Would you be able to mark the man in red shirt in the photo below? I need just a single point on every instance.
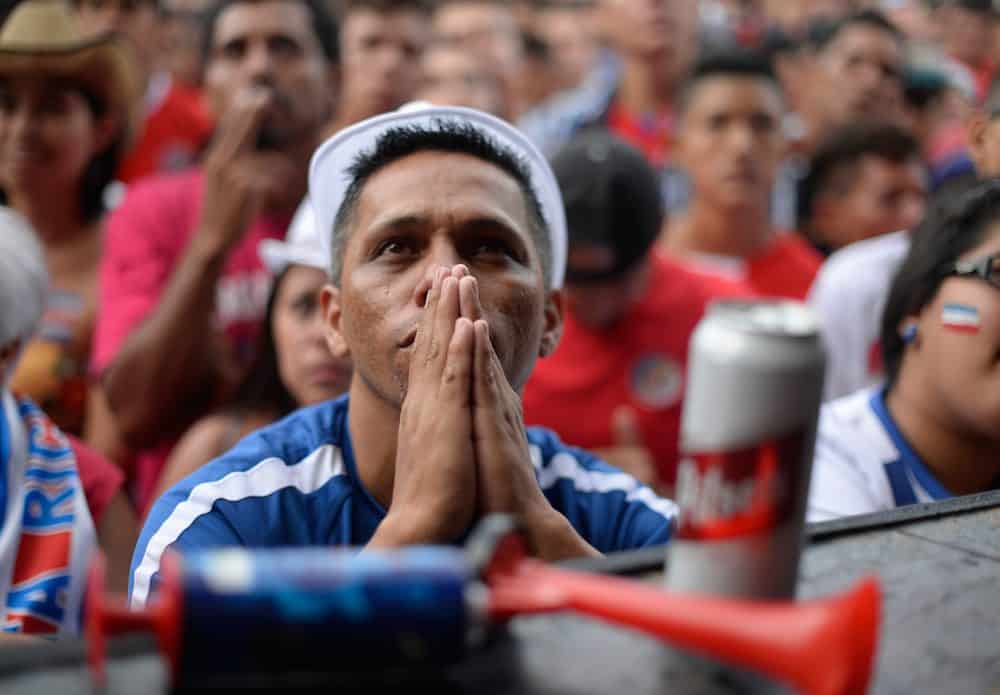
(730, 144)
(182, 290)
(616, 381)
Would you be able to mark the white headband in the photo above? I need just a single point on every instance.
(329, 176)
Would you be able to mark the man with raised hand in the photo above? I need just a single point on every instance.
(182, 289)
(448, 246)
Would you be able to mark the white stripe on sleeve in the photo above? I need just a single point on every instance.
(265, 478)
(564, 466)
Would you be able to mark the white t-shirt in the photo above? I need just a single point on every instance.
(863, 463)
(848, 296)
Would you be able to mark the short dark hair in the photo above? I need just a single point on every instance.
(834, 164)
(446, 136)
(984, 7)
(955, 224)
(727, 62)
(823, 33)
(323, 24)
(386, 6)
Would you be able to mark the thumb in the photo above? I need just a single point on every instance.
(625, 427)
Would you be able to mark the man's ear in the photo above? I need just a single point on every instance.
(555, 305)
(329, 301)
(975, 129)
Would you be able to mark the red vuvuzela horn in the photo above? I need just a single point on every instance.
(822, 647)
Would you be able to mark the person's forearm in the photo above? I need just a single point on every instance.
(169, 359)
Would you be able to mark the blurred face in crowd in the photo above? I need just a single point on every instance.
(421, 213)
(913, 17)
(485, 29)
(661, 30)
(308, 370)
(794, 15)
(48, 134)
(881, 197)
(730, 140)
(135, 19)
(380, 53)
(600, 305)
(958, 372)
(966, 34)
(271, 45)
(858, 76)
(182, 30)
(569, 32)
(452, 77)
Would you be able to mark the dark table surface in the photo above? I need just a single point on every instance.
(939, 567)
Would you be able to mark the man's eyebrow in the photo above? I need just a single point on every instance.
(396, 221)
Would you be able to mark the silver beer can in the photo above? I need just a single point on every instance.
(748, 426)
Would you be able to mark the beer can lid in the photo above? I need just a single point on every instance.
(783, 317)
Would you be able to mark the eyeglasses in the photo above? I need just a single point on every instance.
(985, 268)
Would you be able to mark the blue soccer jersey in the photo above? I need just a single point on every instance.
(295, 484)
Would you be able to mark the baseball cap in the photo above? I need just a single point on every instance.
(302, 244)
(329, 170)
(612, 200)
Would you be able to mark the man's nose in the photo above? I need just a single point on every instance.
(869, 74)
(423, 287)
(741, 137)
(259, 65)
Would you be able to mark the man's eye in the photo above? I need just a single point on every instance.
(492, 248)
(395, 247)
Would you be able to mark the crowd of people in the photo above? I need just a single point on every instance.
(359, 272)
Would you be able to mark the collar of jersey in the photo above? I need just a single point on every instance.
(907, 455)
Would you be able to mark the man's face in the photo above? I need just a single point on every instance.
(730, 140)
(858, 76)
(569, 31)
(135, 19)
(381, 58)
(487, 30)
(966, 34)
(271, 44)
(882, 197)
(453, 77)
(422, 212)
(662, 29)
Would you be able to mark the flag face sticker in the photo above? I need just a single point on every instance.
(960, 317)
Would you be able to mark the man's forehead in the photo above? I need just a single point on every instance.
(413, 185)
(712, 91)
(866, 37)
(246, 18)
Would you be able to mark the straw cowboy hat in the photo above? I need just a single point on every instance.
(42, 37)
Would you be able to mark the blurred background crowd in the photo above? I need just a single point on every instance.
(805, 149)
